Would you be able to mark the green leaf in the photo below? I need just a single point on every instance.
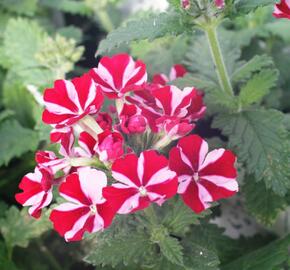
(262, 203)
(69, 6)
(246, 6)
(255, 64)
(21, 7)
(18, 228)
(260, 140)
(71, 32)
(120, 245)
(22, 39)
(15, 140)
(5, 263)
(17, 98)
(266, 258)
(280, 28)
(258, 87)
(150, 28)
(171, 249)
(177, 217)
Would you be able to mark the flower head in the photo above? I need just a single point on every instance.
(141, 181)
(69, 101)
(119, 74)
(177, 71)
(37, 191)
(204, 177)
(85, 209)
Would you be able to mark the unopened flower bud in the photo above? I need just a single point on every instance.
(185, 4)
(136, 124)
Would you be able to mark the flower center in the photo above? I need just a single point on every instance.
(93, 209)
(195, 177)
(142, 191)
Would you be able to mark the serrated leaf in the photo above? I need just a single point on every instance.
(15, 140)
(22, 39)
(150, 28)
(245, 6)
(266, 258)
(260, 140)
(254, 65)
(258, 87)
(262, 203)
(21, 7)
(18, 228)
(178, 217)
(171, 249)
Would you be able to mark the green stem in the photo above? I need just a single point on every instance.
(89, 124)
(9, 252)
(105, 20)
(52, 261)
(216, 53)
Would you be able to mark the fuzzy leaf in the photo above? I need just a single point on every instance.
(260, 140)
(18, 228)
(280, 28)
(150, 28)
(21, 7)
(258, 87)
(246, 6)
(171, 249)
(266, 258)
(255, 64)
(15, 140)
(263, 203)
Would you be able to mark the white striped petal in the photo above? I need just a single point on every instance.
(77, 227)
(221, 181)
(161, 176)
(131, 203)
(140, 167)
(212, 157)
(123, 179)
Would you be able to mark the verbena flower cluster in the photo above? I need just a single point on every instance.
(110, 160)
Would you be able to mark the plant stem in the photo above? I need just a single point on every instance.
(89, 124)
(216, 53)
(105, 20)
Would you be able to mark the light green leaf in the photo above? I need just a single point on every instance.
(150, 28)
(22, 39)
(18, 228)
(21, 7)
(15, 140)
(260, 140)
(280, 28)
(258, 87)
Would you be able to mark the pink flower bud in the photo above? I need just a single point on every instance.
(185, 4)
(220, 3)
(136, 124)
(110, 146)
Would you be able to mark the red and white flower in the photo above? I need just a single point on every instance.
(177, 71)
(104, 120)
(37, 191)
(219, 3)
(69, 101)
(110, 146)
(141, 181)
(85, 210)
(282, 10)
(131, 119)
(119, 74)
(204, 177)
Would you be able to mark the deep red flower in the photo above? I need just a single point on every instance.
(119, 74)
(282, 10)
(104, 120)
(204, 177)
(110, 146)
(85, 210)
(177, 71)
(131, 119)
(141, 181)
(70, 101)
(37, 191)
